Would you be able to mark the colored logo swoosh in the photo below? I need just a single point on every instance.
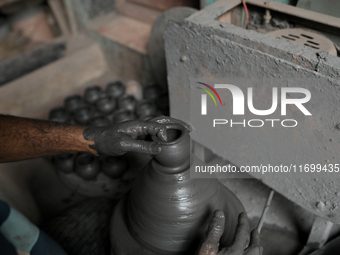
(213, 90)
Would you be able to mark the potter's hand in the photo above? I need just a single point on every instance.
(120, 138)
(210, 245)
(168, 120)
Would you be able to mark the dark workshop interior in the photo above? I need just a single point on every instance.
(101, 63)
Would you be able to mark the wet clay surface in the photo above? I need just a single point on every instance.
(168, 212)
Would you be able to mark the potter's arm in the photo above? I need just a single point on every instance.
(210, 245)
(23, 138)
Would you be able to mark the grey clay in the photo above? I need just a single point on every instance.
(73, 103)
(105, 104)
(114, 167)
(59, 114)
(100, 121)
(84, 115)
(87, 166)
(127, 102)
(167, 212)
(123, 115)
(92, 93)
(64, 162)
(115, 89)
(174, 155)
(146, 107)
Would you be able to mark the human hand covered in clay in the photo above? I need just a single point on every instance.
(120, 138)
(210, 245)
(168, 120)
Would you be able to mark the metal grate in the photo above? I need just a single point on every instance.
(307, 38)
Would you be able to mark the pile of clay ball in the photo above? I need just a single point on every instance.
(99, 107)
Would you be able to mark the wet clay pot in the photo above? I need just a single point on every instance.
(127, 102)
(167, 212)
(123, 115)
(114, 167)
(87, 166)
(84, 115)
(100, 121)
(92, 93)
(73, 103)
(59, 114)
(152, 92)
(115, 89)
(146, 107)
(147, 117)
(105, 104)
(174, 155)
(65, 162)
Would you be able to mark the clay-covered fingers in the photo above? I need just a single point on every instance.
(254, 238)
(254, 251)
(136, 129)
(168, 120)
(254, 245)
(241, 235)
(139, 146)
(210, 245)
(156, 129)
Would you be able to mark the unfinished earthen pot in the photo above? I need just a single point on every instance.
(105, 104)
(175, 152)
(87, 166)
(167, 212)
(92, 93)
(85, 114)
(59, 114)
(146, 107)
(127, 102)
(65, 162)
(73, 103)
(147, 117)
(100, 121)
(123, 115)
(115, 89)
(114, 167)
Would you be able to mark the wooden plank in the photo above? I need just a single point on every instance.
(34, 94)
(127, 31)
(71, 16)
(162, 5)
(58, 11)
(137, 11)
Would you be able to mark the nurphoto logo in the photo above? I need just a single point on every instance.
(238, 98)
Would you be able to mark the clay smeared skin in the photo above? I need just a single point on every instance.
(211, 243)
(167, 212)
(24, 138)
(120, 138)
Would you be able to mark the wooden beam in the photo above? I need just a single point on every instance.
(58, 11)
